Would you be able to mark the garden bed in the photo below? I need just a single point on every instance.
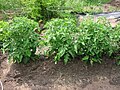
(45, 75)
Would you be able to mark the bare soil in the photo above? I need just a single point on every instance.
(43, 74)
(115, 3)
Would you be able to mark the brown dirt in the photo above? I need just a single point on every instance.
(115, 3)
(45, 75)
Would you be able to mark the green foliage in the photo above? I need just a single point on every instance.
(64, 37)
(2, 25)
(116, 38)
(9, 4)
(20, 39)
(86, 6)
(94, 40)
(47, 9)
(38, 9)
(90, 40)
(31, 9)
(60, 37)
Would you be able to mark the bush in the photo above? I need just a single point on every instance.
(34, 9)
(3, 24)
(20, 40)
(115, 35)
(95, 40)
(60, 37)
(37, 9)
(116, 38)
(31, 9)
(90, 40)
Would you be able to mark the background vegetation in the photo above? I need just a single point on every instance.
(47, 9)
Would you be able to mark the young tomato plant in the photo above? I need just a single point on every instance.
(94, 40)
(115, 35)
(60, 37)
(90, 40)
(3, 24)
(21, 41)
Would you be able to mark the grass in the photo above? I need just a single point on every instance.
(79, 5)
(86, 6)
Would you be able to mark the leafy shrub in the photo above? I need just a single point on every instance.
(94, 40)
(90, 40)
(37, 9)
(31, 9)
(60, 38)
(21, 40)
(44, 4)
(2, 25)
(116, 38)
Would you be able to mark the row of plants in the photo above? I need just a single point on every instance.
(89, 40)
(65, 38)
